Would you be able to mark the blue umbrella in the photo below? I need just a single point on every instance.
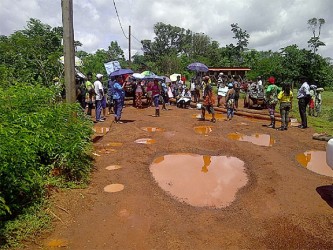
(198, 67)
(120, 72)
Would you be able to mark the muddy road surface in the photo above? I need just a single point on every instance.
(174, 182)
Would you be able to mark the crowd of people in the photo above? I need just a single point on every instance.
(110, 97)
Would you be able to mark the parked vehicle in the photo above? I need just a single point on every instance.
(255, 97)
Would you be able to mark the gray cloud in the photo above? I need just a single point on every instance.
(271, 24)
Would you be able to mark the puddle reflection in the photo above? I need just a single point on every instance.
(257, 139)
(145, 141)
(315, 161)
(203, 130)
(200, 180)
(101, 130)
(152, 129)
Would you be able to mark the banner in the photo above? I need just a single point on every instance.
(112, 66)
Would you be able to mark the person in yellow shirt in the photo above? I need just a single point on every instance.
(285, 98)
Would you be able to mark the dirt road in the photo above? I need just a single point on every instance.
(278, 208)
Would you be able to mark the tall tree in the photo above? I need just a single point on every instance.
(242, 40)
(315, 25)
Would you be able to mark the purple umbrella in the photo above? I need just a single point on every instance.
(198, 67)
(120, 72)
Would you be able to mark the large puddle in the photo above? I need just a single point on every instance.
(200, 180)
(203, 130)
(315, 161)
(145, 141)
(152, 129)
(257, 139)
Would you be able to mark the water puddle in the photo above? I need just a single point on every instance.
(113, 167)
(113, 188)
(57, 243)
(315, 161)
(218, 116)
(114, 144)
(257, 139)
(101, 130)
(203, 130)
(152, 129)
(200, 180)
(145, 141)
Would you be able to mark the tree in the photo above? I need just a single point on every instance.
(115, 53)
(31, 55)
(242, 41)
(315, 26)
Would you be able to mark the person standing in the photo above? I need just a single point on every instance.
(237, 91)
(209, 100)
(285, 97)
(90, 93)
(230, 101)
(99, 96)
(156, 97)
(303, 96)
(138, 94)
(118, 95)
(271, 97)
(110, 94)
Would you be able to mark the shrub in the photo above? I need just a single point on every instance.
(40, 140)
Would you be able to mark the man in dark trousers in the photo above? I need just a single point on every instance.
(303, 97)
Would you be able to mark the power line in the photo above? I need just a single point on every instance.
(136, 39)
(115, 7)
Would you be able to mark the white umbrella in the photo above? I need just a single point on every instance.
(173, 77)
(138, 76)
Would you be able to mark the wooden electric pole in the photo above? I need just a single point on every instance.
(129, 44)
(69, 54)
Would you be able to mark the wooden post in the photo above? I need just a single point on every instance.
(69, 54)
(129, 44)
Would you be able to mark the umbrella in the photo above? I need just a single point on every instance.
(173, 77)
(120, 72)
(153, 77)
(147, 73)
(138, 76)
(78, 61)
(167, 79)
(198, 67)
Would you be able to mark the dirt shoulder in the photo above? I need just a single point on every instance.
(278, 208)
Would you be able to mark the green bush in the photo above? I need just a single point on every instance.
(41, 140)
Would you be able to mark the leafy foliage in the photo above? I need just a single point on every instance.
(40, 140)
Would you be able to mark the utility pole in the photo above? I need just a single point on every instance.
(69, 55)
(129, 44)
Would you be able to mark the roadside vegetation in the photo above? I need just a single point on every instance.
(45, 144)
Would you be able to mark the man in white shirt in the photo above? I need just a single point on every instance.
(303, 96)
(99, 96)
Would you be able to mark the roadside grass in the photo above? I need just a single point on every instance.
(27, 226)
(324, 122)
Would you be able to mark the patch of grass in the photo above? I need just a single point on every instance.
(26, 226)
(322, 123)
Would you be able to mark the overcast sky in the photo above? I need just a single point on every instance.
(270, 24)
